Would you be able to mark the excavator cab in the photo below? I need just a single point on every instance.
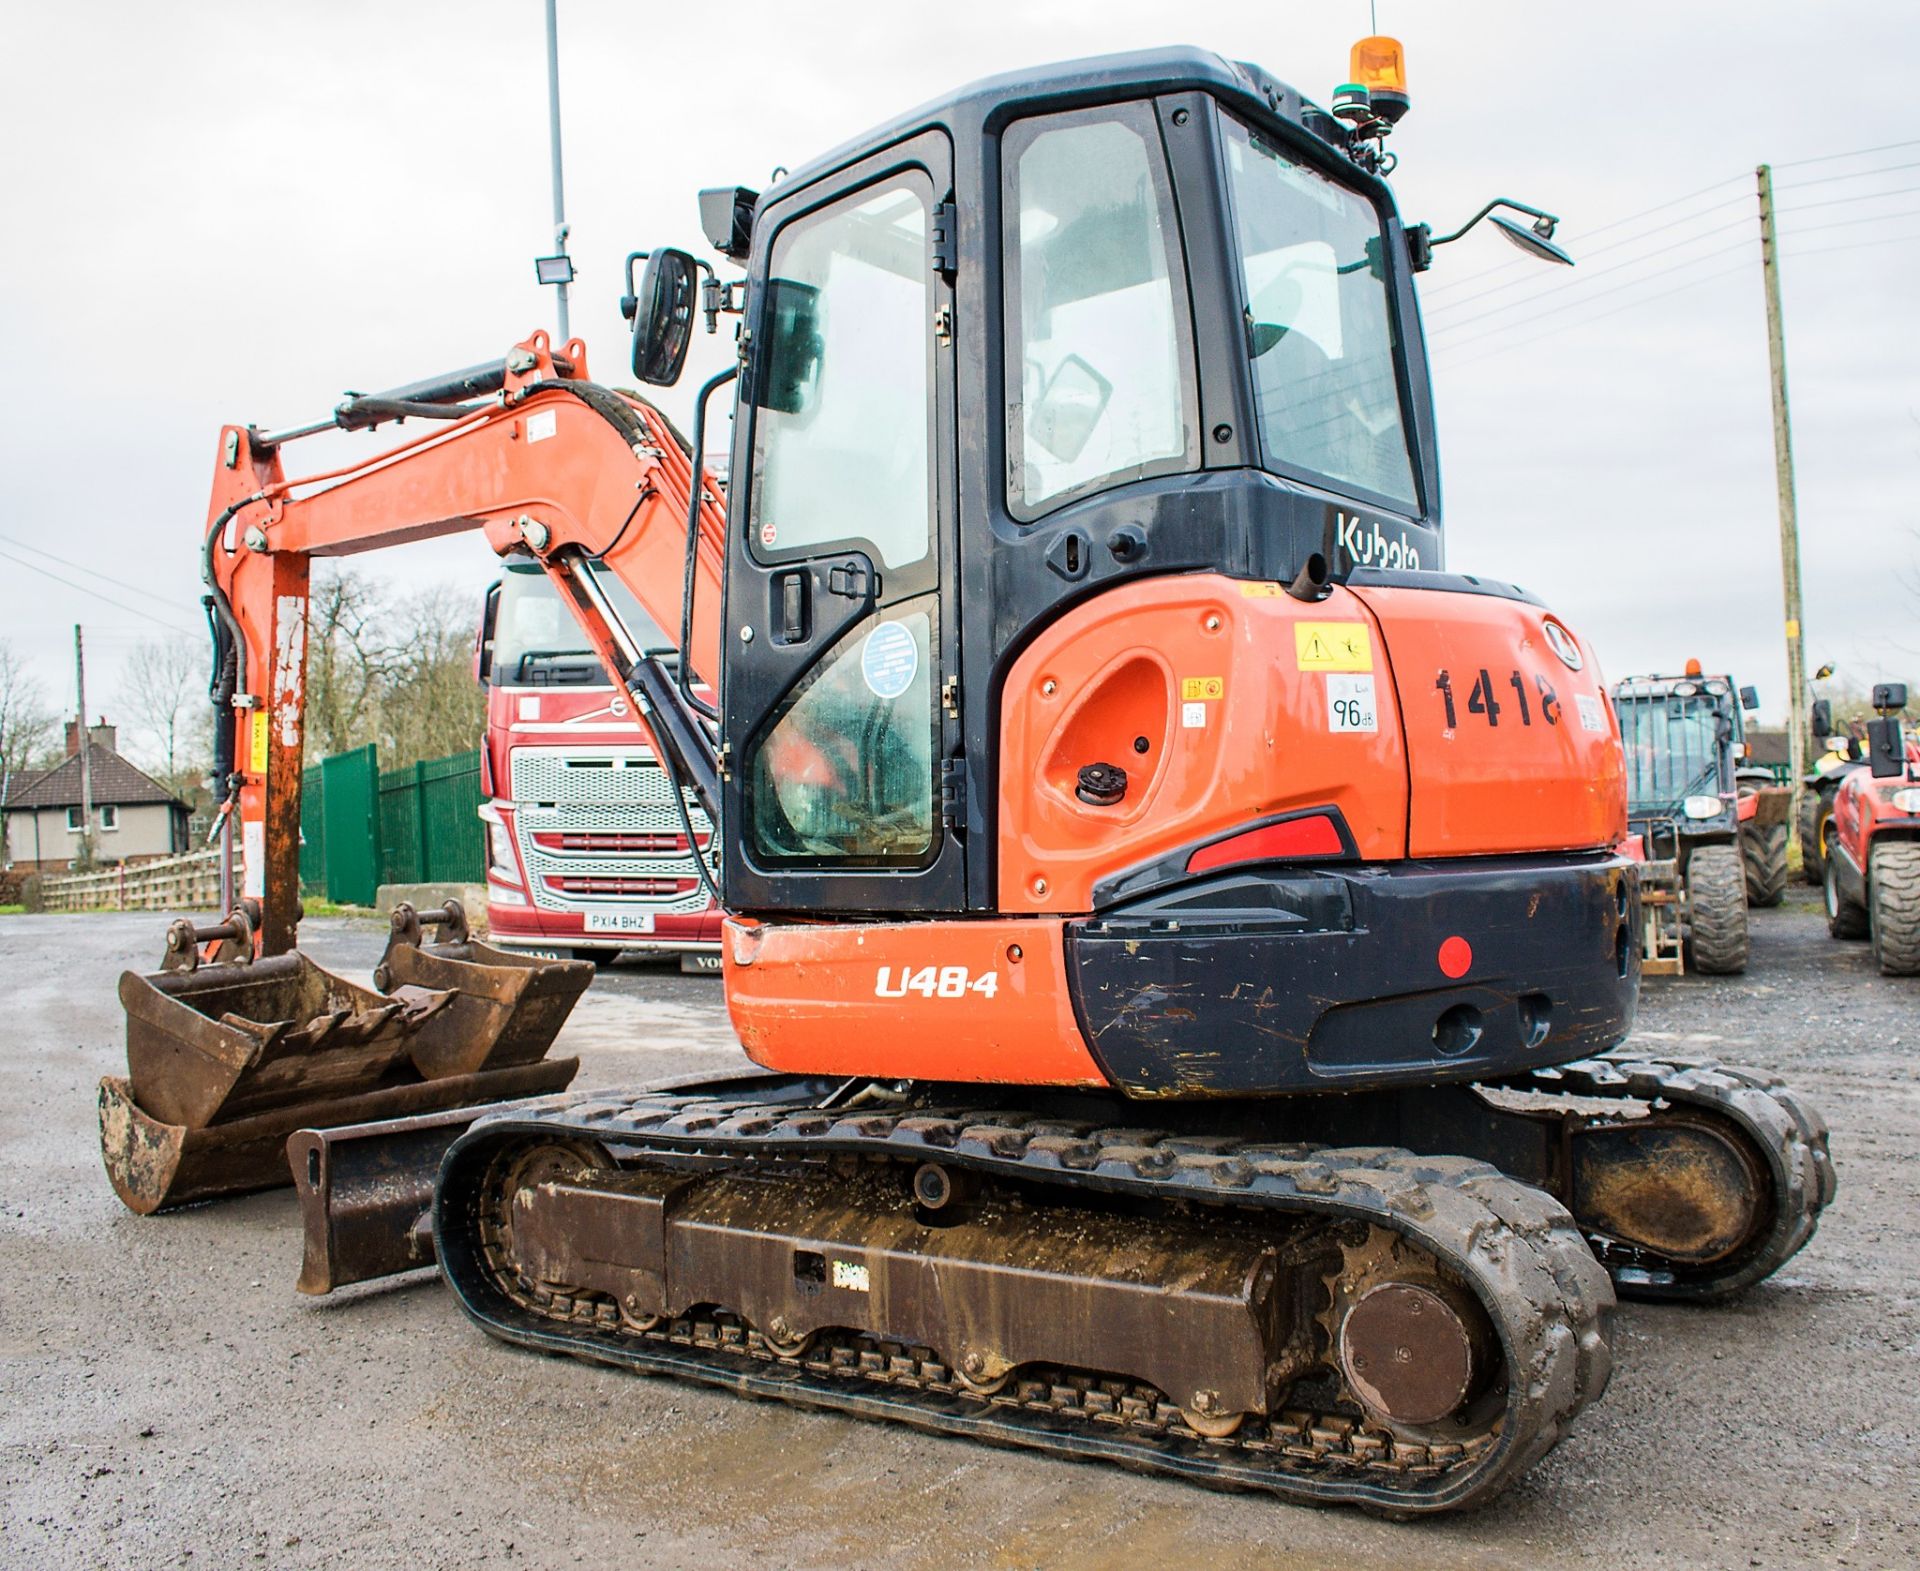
(1085, 526)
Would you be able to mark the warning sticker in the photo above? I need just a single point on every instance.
(1350, 705)
(1333, 646)
(1261, 591)
(257, 759)
(1590, 717)
(1193, 717)
(1202, 688)
(542, 424)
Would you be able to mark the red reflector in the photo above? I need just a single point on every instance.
(1313, 836)
(1456, 957)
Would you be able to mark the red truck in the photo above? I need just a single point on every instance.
(586, 856)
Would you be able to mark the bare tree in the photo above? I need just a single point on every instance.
(346, 662)
(27, 726)
(164, 695)
(430, 704)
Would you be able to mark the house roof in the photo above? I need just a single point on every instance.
(116, 783)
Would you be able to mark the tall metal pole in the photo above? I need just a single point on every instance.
(86, 751)
(1783, 480)
(553, 133)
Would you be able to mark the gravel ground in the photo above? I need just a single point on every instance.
(166, 1398)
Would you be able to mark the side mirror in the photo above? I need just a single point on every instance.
(1821, 722)
(1749, 698)
(483, 639)
(1889, 697)
(794, 346)
(1068, 408)
(663, 312)
(1886, 748)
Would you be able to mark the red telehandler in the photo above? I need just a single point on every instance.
(1178, 920)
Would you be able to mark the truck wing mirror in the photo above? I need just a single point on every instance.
(663, 310)
(483, 639)
(1821, 721)
(1749, 698)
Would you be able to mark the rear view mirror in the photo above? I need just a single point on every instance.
(1821, 723)
(794, 346)
(1069, 407)
(1749, 698)
(483, 639)
(1886, 749)
(663, 316)
(1889, 697)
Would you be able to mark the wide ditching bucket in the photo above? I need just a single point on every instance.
(228, 1055)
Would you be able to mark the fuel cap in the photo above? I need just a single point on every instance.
(1101, 785)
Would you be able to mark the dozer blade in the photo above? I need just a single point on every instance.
(226, 1058)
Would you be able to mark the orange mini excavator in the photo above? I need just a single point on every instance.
(1178, 919)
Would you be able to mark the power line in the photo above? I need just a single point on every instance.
(1568, 327)
(1858, 152)
(119, 605)
(1849, 223)
(1854, 245)
(91, 572)
(1579, 280)
(1631, 283)
(1843, 201)
(1857, 174)
(1587, 234)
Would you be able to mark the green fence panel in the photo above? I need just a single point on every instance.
(402, 827)
(451, 832)
(350, 818)
(313, 832)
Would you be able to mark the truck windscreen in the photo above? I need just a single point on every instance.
(536, 641)
(1320, 324)
(1673, 745)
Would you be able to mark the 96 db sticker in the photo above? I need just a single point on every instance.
(1350, 705)
(1590, 715)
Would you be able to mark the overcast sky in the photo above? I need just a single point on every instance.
(226, 211)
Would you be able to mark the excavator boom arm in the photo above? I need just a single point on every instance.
(554, 465)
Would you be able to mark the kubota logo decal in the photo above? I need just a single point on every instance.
(1363, 543)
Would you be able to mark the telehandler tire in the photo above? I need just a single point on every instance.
(1717, 910)
(1893, 895)
(1764, 853)
(1845, 919)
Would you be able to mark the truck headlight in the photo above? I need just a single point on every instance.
(1703, 806)
(500, 851)
(1908, 801)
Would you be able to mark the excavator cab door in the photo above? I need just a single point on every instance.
(841, 636)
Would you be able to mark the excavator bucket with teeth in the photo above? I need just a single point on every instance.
(227, 1055)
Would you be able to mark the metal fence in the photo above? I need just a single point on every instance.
(173, 883)
(362, 827)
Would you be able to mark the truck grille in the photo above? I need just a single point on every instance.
(597, 825)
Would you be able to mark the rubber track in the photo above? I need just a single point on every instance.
(1513, 1245)
(1788, 1134)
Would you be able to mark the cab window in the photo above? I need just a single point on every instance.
(1100, 388)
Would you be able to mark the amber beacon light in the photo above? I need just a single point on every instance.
(1379, 65)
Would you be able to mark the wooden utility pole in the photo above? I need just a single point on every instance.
(86, 750)
(1783, 480)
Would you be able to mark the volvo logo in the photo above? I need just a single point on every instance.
(1563, 644)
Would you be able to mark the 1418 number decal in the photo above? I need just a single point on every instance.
(1484, 699)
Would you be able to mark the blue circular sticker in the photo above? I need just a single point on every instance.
(890, 660)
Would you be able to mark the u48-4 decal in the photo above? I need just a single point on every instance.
(1490, 700)
(935, 982)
